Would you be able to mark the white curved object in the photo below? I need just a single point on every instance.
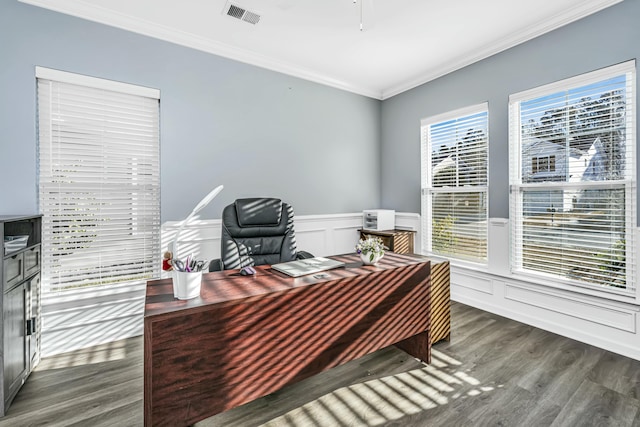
(173, 246)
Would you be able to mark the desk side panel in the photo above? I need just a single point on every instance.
(440, 302)
(148, 370)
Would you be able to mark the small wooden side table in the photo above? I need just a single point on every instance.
(398, 241)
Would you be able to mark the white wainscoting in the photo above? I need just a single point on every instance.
(320, 235)
(106, 315)
(606, 323)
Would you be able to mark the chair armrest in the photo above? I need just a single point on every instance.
(303, 255)
(216, 265)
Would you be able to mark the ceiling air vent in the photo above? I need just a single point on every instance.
(238, 12)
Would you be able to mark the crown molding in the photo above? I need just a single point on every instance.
(84, 10)
(587, 8)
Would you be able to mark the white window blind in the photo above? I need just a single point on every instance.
(573, 180)
(99, 181)
(454, 184)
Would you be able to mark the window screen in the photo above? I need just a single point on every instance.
(454, 184)
(572, 180)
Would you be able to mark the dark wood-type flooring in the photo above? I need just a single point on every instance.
(493, 372)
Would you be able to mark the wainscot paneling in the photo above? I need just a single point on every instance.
(86, 318)
(472, 282)
(614, 317)
(585, 315)
(98, 316)
(321, 235)
(410, 221)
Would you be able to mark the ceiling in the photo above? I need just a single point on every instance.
(403, 43)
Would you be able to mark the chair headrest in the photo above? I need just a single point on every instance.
(259, 212)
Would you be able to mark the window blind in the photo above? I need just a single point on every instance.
(454, 195)
(573, 180)
(99, 182)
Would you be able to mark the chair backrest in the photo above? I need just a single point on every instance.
(256, 232)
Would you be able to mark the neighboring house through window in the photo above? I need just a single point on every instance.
(454, 184)
(543, 164)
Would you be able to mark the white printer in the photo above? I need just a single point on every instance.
(379, 219)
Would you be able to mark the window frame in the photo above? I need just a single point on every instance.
(152, 184)
(428, 189)
(628, 184)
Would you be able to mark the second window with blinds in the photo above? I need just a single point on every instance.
(454, 184)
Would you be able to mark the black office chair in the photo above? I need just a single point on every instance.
(257, 231)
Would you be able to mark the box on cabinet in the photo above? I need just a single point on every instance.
(379, 219)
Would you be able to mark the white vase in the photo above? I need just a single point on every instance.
(367, 260)
(186, 285)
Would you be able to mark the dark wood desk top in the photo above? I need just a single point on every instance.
(228, 286)
(248, 336)
(386, 232)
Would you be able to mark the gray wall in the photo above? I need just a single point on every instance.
(264, 133)
(606, 38)
(260, 133)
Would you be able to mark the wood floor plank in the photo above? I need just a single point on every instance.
(621, 375)
(596, 405)
(493, 371)
(557, 376)
(523, 408)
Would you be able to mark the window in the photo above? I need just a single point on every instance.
(543, 164)
(454, 184)
(572, 180)
(99, 181)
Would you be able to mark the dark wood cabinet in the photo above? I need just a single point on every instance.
(15, 355)
(19, 302)
(398, 241)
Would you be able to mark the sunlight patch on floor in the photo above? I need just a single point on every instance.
(108, 352)
(378, 401)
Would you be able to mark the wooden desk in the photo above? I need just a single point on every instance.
(248, 336)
